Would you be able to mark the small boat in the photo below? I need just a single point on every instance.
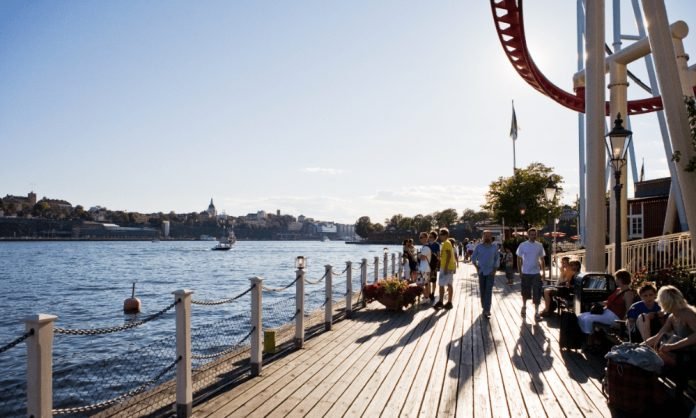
(325, 239)
(225, 242)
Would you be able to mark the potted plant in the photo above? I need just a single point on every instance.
(393, 293)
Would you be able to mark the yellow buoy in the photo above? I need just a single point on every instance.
(132, 304)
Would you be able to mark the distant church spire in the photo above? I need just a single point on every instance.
(211, 208)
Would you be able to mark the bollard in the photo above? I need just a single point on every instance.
(394, 265)
(328, 306)
(40, 365)
(184, 382)
(256, 358)
(376, 269)
(386, 264)
(363, 278)
(349, 289)
(299, 309)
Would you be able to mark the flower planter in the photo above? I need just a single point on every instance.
(398, 297)
(391, 302)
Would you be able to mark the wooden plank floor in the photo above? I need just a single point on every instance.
(427, 363)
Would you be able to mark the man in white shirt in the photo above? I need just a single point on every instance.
(530, 262)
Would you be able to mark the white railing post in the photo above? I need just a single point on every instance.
(363, 278)
(256, 321)
(349, 289)
(184, 382)
(328, 291)
(394, 265)
(40, 365)
(401, 266)
(386, 265)
(376, 269)
(299, 309)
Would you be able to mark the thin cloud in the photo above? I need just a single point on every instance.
(321, 170)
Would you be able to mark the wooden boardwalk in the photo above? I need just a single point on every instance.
(426, 363)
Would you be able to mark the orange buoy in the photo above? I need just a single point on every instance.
(132, 304)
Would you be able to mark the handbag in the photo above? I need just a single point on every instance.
(597, 308)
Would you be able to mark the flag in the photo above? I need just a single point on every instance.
(513, 125)
(642, 171)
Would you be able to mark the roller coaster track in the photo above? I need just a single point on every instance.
(509, 23)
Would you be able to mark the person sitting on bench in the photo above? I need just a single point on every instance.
(564, 286)
(645, 318)
(676, 341)
(615, 307)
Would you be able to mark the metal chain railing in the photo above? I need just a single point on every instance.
(100, 405)
(17, 341)
(222, 301)
(317, 281)
(339, 274)
(223, 352)
(279, 289)
(109, 330)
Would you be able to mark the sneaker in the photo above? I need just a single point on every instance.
(537, 316)
(432, 298)
(438, 305)
(448, 305)
(523, 312)
(545, 314)
(486, 314)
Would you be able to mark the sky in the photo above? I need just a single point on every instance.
(330, 109)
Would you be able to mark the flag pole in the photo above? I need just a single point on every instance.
(513, 135)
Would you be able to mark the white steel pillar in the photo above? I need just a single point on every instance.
(582, 198)
(256, 356)
(618, 90)
(594, 126)
(673, 101)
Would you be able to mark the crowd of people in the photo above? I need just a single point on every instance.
(661, 319)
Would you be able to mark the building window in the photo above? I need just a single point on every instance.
(635, 222)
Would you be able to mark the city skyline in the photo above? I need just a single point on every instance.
(334, 110)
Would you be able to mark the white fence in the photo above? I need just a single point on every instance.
(650, 254)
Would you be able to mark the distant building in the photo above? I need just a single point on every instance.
(211, 209)
(19, 203)
(648, 208)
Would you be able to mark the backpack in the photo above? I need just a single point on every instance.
(434, 259)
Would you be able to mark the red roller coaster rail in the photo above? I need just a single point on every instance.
(509, 23)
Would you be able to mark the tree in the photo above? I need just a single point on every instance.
(446, 218)
(507, 195)
(363, 227)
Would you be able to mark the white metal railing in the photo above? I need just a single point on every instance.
(651, 254)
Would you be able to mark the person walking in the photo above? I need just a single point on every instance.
(530, 262)
(424, 256)
(447, 268)
(486, 259)
(434, 263)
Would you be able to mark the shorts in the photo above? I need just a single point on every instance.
(422, 277)
(445, 279)
(433, 276)
(531, 287)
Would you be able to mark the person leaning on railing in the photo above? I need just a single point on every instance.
(676, 341)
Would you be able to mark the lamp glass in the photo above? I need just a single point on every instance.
(300, 262)
(385, 250)
(550, 192)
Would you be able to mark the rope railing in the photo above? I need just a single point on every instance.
(222, 301)
(223, 352)
(315, 281)
(280, 289)
(110, 330)
(103, 404)
(16, 341)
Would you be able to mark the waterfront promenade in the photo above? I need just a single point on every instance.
(426, 363)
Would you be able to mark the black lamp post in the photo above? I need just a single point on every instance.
(550, 191)
(617, 145)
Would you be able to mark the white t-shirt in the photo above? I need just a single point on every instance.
(424, 265)
(530, 252)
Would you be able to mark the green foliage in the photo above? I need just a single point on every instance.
(364, 226)
(676, 156)
(677, 276)
(507, 195)
(446, 218)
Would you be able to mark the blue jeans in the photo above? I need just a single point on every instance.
(486, 290)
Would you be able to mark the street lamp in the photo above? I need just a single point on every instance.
(617, 145)
(300, 262)
(550, 191)
(385, 250)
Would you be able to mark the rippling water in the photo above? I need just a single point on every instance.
(85, 284)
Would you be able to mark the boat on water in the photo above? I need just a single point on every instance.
(325, 239)
(225, 242)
